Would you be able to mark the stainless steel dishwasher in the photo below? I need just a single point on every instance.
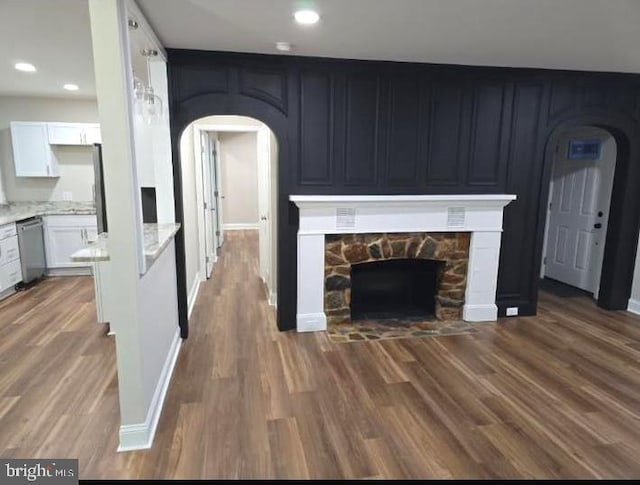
(31, 243)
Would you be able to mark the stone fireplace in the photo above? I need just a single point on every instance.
(397, 275)
(463, 232)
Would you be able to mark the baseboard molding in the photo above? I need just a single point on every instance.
(273, 299)
(311, 322)
(634, 306)
(480, 313)
(193, 293)
(80, 271)
(240, 226)
(140, 436)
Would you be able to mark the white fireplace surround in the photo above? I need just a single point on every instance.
(481, 215)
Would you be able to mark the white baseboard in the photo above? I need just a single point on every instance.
(480, 313)
(311, 322)
(240, 226)
(193, 293)
(8, 292)
(273, 299)
(140, 436)
(634, 306)
(79, 271)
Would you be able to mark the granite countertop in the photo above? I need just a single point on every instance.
(16, 211)
(156, 238)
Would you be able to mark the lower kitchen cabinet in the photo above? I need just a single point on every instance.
(64, 235)
(10, 269)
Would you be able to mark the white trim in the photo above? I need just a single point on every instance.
(140, 436)
(193, 292)
(273, 299)
(240, 226)
(634, 306)
(480, 313)
(311, 322)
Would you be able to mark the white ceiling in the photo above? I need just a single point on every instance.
(559, 34)
(601, 35)
(55, 36)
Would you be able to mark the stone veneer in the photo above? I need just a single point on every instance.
(343, 250)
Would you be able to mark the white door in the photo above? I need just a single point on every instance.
(218, 194)
(209, 204)
(578, 216)
(264, 198)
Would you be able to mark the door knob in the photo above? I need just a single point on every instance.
(597, 225)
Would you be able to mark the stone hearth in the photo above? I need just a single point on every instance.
(343, 250)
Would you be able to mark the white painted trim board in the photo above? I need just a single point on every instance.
(140, 436)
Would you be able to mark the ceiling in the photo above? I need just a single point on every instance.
(597, 35)
(53, 35)
(600, 35)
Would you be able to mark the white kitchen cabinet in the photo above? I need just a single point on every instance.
(92, 133)
(10, 269)
(32, 154)
(64, 235)
(74, 133)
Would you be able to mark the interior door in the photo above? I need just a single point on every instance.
(218, 194)
(264, 198)
(577, 222)
(209, 203)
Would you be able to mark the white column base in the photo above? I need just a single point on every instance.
(634, 306)
(480, 313)
(311, 322)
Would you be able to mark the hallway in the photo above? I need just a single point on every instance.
(554, 396)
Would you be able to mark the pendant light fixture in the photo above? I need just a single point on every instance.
(151, 103)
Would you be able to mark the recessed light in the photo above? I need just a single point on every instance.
(283, 46)
(306, 17)
(71, 87)
(25, 67)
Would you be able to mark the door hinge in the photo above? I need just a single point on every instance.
(544, 260)
(550, 205)
(206, 206)
(215, 194)
(217, 233)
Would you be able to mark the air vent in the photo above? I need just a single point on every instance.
(345, 218)
(455, 217)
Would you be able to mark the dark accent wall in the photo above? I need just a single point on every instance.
(358, 127)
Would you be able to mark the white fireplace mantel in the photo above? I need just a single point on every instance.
(481, 215)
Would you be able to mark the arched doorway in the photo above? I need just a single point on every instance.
(578, 208)
(621, 239)
(228, 168)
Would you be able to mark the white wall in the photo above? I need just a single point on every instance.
(76, 163)
(239, 165)
(190, 208)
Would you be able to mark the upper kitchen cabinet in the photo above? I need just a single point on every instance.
(74, 133)
(32, 154)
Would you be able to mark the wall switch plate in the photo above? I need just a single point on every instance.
(512, 311)
(67, 195)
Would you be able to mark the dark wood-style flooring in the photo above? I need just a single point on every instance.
(551, 396)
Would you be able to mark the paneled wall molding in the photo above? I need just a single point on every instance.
(364, 127)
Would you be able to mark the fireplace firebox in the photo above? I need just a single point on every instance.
(392, 289)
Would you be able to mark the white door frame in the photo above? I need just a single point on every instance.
(605, 189)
